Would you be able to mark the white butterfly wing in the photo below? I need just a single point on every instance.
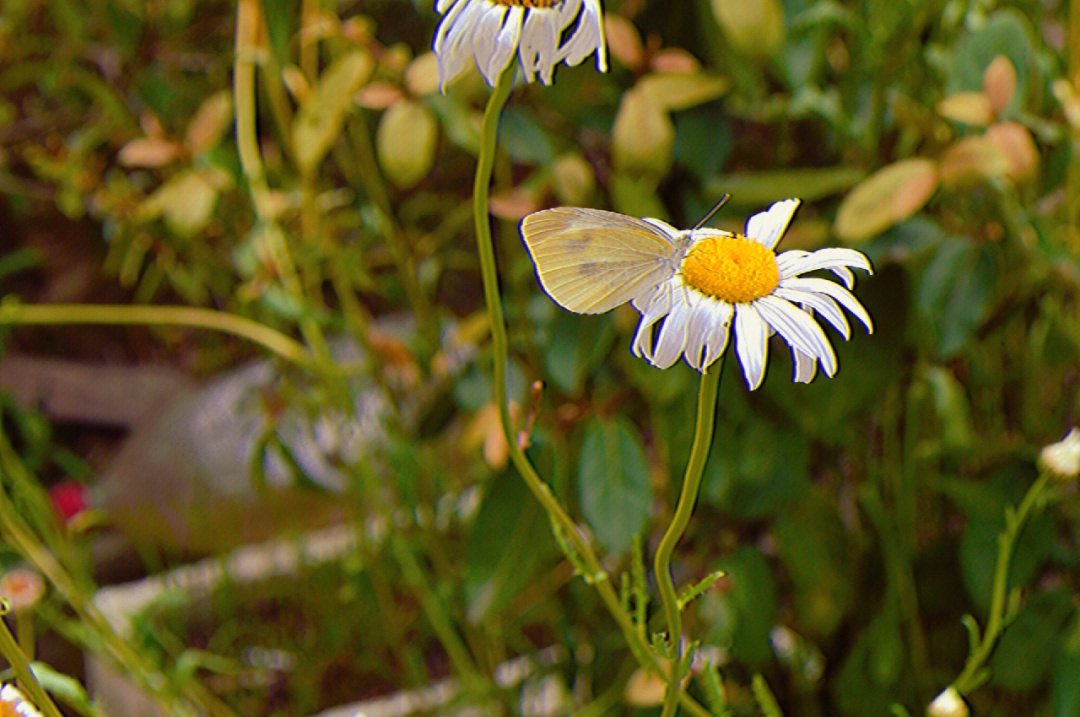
(590, 261)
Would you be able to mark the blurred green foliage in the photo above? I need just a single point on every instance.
(857, 517)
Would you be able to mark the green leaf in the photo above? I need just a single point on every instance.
(65, 687)
(952, 407)
(758, 189)
(811, 543)
(744, 616)
(613, 482)
(1064, 687)
(954, 295)
(703, 143)
(872, 676)
(636, 196)
(979, 543)
(1025, 653)
(523, 139)
(509, 544)
(757, 471)
(1006, 32)
(576, 344)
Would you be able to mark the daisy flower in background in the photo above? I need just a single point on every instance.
(13, 702)
(695, 288)
(542, 33)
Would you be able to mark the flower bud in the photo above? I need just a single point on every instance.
(22, 588)
(948, 704)
(1063, 458)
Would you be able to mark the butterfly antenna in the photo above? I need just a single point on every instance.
(716, 207)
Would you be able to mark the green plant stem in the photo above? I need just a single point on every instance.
(703, 430)
(145, 315)
(972, 675)
(436, 613)
(20, 536)
(250, 26)
(1072, 173)
(400, 252)
(595, 573)
(21, 666)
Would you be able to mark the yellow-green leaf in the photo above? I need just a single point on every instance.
(405, 142)
(676, 92)
(972, 160)
(186, 202)
(754, 27)
(967, 108)
(321, 116)
(643, 137)
(209, 123)
(888, 196)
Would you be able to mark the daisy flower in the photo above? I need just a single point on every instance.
(695, 288)
(13, 702)
(542, 33)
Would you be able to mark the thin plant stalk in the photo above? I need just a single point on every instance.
(18, 534)
(703, 430)
(14, 313)
(974, 674)
(21, 666)
(595, 574)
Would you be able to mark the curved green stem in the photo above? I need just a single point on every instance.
(973, 675)
(500, 348)
(194, 317)
(706, 413)
(21, 666)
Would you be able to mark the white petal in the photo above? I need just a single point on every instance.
(799, 330)
(831, 289)
(697, 334)
(443, 4)
(506, 42)
(821, 303)
(751, 343)
(451, 61)
(486, 47)
(672, 339)
(805, 367)
(586, 38)
(767, 227)
(652, 309)
(831, 258)
(539, 38)
(716, 341)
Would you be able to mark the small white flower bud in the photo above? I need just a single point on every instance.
(948, 704)
(1063, 458)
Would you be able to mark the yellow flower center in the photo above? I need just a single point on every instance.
(534, 4)
(731, 268)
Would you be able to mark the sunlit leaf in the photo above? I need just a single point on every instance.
(643, 135)
(321, 116)
(405, 142)
(887, 197)
(754, 28)
(682, 91)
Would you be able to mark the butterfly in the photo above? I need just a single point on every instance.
(589, 260)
